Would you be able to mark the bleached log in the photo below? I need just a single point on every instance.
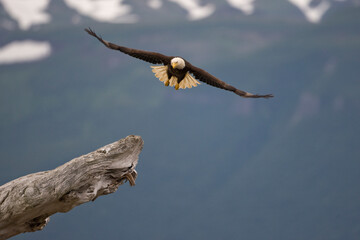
(27, 202)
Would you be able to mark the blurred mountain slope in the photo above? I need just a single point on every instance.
(214, 165)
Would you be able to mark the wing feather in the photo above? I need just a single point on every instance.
(151, 57)
(206, 77)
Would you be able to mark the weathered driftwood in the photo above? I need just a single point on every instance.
(27, 202)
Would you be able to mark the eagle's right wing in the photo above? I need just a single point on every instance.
(151, 57)
(206, 77)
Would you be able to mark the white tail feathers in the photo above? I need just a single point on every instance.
(173, 81)
(161, 74)
(188, 82)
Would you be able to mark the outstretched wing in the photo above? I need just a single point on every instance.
(151, 57)
(206, 77)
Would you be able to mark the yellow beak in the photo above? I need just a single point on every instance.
(174, 64)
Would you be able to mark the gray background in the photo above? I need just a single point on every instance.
(214, 165)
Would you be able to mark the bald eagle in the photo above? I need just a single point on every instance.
(176, 71)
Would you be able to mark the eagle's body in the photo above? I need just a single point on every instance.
(176, 71)
(169, 77)
(175, 74)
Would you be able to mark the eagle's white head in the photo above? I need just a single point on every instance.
(177, 63)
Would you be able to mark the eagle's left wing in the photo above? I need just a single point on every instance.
(151, 57)
(206, 77)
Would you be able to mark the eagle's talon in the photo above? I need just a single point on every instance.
(177, 86)
(167, 82)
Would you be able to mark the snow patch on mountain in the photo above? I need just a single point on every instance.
(112, 11)
(312, 13)
(246, 6)
(24, 51)
(31, 12)
(155, 4)
(194, 9)
(27, 12)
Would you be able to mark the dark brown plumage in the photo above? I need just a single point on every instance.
(158, 58)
